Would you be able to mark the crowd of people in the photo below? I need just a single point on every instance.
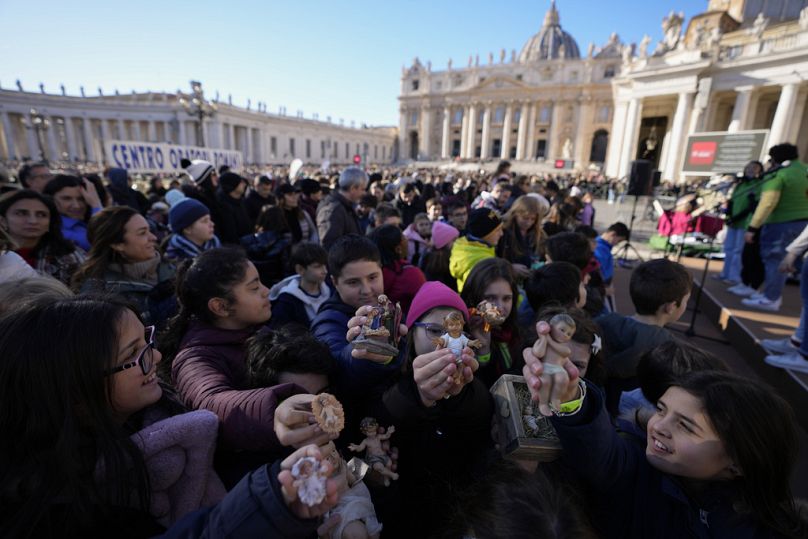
(165, 347)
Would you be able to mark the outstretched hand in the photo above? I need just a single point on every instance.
(435, 374)
(295, 424)
(355, 329)
(534, 369)
(289, 490)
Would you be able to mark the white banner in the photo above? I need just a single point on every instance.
(156, 157)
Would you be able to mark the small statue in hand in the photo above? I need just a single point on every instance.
(455, 341)
(491, 314)
(328, 413)
(375, 455)
(310, 476)
(380, 333)
(555, 355)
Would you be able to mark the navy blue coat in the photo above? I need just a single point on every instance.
(254, 508)
(634, 499)
(354, 376)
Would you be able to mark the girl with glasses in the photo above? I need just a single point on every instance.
(82, 413)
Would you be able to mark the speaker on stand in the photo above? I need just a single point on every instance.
(640, 184)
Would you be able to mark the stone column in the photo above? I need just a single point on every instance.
(122, 135)
(464, 132)
(799, 110)
(471, 144)
(31, 138)
(54, 148)
(444, 141)
(485, 150)
(136, 134)
(530, 141)
(424, 141)
(630, 138)
(683, 108)
(521, 136)
(506, 132)
(9, 135)
(89, 139)
(72, 152)
(781, 125)
(231, 129)
(584, 132)
(106, 133)
(740, 113)
(616, 139)
(183, 140)
(554, 142)
(152, 131)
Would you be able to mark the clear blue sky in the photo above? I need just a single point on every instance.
(340, 58)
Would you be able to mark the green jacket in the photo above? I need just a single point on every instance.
(792, 183)
(465, 255)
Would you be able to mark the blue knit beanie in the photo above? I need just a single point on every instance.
(185, 213)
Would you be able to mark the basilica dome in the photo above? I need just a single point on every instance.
(551, 42)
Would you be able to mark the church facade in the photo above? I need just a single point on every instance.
(741, 65)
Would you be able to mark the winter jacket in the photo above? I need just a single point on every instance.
(416, 245)
(401, 282)
(180, 247)
(253, 203)
(409, 211)
(466, 252)
(13, 267)
(60, 267)
(290, 303)
(269, 251)
(210, 373)
(123, 194)
(625, 340)
(178, 452)
(76, 230)
(156, 303)
(336, 218)
(233, 221)
(456, 432)
(632, 499)
(309, 206)
(302, 226)
(354, 376)
(513, 242)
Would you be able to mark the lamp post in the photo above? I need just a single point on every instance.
(199, 108)
(39, 123)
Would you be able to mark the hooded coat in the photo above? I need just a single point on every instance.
(290, 303)
(466, 252)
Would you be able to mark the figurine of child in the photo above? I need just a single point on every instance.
(555, 355)
(454, 339)
(309, 480)
(375, 455)
(491, 315)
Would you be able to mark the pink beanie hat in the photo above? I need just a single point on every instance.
(434, 294)
(443, 234)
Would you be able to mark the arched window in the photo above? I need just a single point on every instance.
(600, 140)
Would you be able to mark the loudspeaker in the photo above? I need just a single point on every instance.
(640, 181)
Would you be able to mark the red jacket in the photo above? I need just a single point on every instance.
(402, 282)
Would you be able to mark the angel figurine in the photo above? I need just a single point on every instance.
(375, 456)
(551, 347)
(380, 334)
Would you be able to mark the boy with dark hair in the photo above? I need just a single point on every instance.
(385, 214)
(662, 367)
(557, 282)
(569, 247)
(659, 290)
(288, 356)
(354, 263)
(457, 215)
(298, 297)
(616, 233)
(367, 204)
(434, 209)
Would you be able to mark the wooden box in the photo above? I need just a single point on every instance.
(522, 432)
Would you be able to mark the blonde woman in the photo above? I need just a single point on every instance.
(523, 240)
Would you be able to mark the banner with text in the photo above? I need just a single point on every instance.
(157, 157)
(723, 152)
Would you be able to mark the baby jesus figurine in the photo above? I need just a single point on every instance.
(455, 341)
(555, 355)
(375, 455)
(490, 314)
(328, 413)
(309, 478)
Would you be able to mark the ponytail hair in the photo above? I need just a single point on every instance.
(212, 274)
(758, 430)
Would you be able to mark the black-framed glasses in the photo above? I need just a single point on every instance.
(145, 359)
(433, 330)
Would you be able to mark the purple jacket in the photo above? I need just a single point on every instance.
(210, 373)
